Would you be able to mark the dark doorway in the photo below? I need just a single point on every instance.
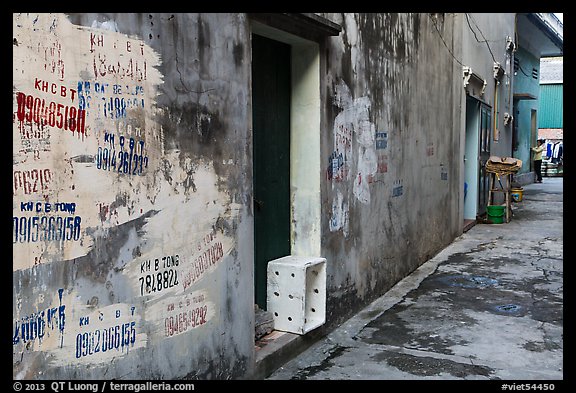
(271, 154)
(483, 156)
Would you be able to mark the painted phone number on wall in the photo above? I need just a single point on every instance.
(102, 340)
(45, 228)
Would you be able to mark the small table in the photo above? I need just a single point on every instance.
(507, 176)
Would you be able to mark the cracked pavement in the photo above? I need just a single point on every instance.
(487, 307)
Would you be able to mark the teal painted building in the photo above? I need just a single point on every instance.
(526, 93)
(551, 102)
(550, 106)
(540, 36)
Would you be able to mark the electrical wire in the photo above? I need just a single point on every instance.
(444, 42)
(468, 17)
(475, 36)
(522, 70)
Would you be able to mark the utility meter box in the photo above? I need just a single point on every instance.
(296, 293)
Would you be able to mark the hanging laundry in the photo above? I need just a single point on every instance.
(557, 152)
(549, 146)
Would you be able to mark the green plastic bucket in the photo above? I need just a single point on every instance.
(496, 213)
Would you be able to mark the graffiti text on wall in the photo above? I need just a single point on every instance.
(50, 106)
(80, 94)
(51, 52)
(119, 336)
(338, 166)
(211, 252)
(430, 149)
(40, 324)
(110, 101)
(159, 275)
(337, 170)
(398, 188)
(34, 137)
(443, 173)
(381, 148)
(40, 228)
(124, 67)
(353, 124)
(130, 158)
(188, 313)
(39, 111)
(28, 182)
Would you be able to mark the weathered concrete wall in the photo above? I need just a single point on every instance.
(143, 266)
(132, 232)
(391, 200)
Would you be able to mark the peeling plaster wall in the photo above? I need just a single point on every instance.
(391, 190)
(130, 186)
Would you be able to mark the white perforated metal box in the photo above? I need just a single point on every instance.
(297, 293)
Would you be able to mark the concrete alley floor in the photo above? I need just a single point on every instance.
(488, 307)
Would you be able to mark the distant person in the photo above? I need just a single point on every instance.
(538, 159)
